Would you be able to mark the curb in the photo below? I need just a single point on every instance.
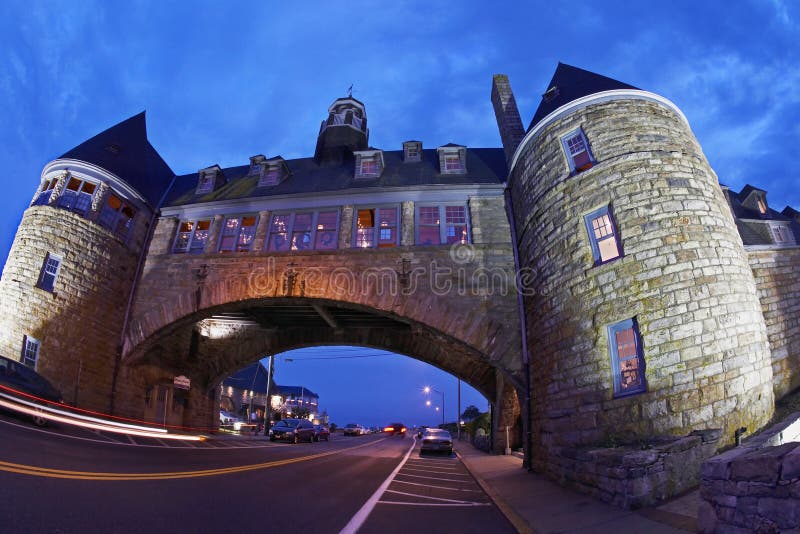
(517, 521)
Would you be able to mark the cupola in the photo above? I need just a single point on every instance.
(344, 131)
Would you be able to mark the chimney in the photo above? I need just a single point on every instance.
(507, 115)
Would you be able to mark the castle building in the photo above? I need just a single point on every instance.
(652, 299)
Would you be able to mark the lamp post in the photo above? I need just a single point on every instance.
(428, 390)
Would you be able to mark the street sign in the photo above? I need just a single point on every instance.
(181, 382)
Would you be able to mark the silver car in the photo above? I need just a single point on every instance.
(436, 440)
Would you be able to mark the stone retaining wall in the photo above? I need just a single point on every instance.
(756, 486)
(632, 477)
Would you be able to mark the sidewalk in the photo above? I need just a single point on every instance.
(534, 504)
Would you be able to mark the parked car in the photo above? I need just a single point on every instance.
(18, 378)
(293, 430)
(437, 440)
(421, 430)
(227, 419)
(395, 429)
(321, 432)
(353, 429)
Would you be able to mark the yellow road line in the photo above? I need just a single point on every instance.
(87, 475)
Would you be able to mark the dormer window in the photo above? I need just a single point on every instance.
(577, 150)
(452, 159)
(412, 151)
(369, 163)
(762, 206)
(270, 176)
(209, 179)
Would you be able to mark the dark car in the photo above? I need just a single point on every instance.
(437, 440)
(395, 429)
(23, 382)
(293, 430)
(321, 432)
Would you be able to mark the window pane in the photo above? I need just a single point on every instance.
(429, 215)
(200, 237)
(326, 220)
(429, 235)
(452, 162)
(457, 234)
(302, 221)
(388, 216)
(608, 248)
(455, 214)
(369, 166)
(280, 223)
(366, 218)
(326, 230)
(183, 237)
(278, 242)
(576, 144)
(602, 226)
(246, 234)
(74, 184)
(365, 237)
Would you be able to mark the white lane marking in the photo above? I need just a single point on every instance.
(441, 499)
(433, 478)
(402, 503)
(358, 520)
(436, 487)
(451, 473)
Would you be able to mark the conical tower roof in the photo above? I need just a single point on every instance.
(571, 83)
(125, 151)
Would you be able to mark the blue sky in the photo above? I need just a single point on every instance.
(222, 81)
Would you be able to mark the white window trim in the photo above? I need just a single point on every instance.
(568, 153)
(290, 229)
(442, 220)
(26, 341)
(377, 227)
(43, 271)
(238, 233)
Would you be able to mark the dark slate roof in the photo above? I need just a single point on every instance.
(573, 83)
(125, 151)
(740, 211)
(297, 391)
(484, 166)
(243, 379)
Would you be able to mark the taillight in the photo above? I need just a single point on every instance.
(388, 429)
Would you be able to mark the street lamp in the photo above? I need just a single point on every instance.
(428, 390)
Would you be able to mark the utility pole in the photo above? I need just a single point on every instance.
(267, 407)
(458, 415)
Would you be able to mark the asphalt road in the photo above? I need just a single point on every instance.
(61, 479)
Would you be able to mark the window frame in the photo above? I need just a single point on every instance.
(236, 242)
(112, 222)
(43, 273)
(271, 175)
(190, 249)
(595, 242)
(376, 240)
(781, 234)
(205, 183)
(573, 167)
(443, 224)
(290, 231)
(77, 200)
(27, 342)
(613, 351)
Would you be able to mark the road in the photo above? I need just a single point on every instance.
(61, 479)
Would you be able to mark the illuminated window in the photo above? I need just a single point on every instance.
(77, 196)
(303, 231)
(762, 206)
(30, 351)
(577, 150)
(377, 227)
(627, 361)
(441, 224)
(603, 235)
(369, 167)
(237, 234)
(191, 237)
(49, 273)
(117, 215)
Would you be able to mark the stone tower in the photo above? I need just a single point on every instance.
(344, 131)
(70, 272)
(643, 316)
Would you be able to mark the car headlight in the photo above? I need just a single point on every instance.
(237, 425)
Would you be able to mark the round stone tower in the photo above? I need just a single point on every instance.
(643, 315)
(70, 272)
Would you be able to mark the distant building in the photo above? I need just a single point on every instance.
(292, 400)
(245, 392)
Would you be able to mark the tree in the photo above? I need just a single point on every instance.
(470, 413)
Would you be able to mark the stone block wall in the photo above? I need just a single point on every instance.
(684, 276)
(754, 487)
(79, 324)
(637, 476)
(777, 276)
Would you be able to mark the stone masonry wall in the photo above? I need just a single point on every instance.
(78, 325)
(684, 276)
(776, 273)
(754, 487)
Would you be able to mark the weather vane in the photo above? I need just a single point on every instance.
(350, 91)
